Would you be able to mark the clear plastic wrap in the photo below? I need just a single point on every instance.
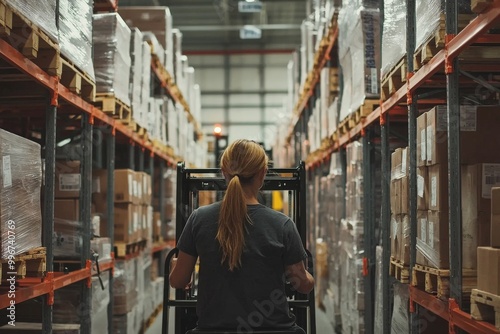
(124, 286)
(359, 45)
(75, 33)
(67, 239)
(400, 315)
(102, 247)
(136, 74)
(177, 54)
(100, 302)
(41, 13)
(125, 323)
(430, 15)
(145, 83)
(112, 55)
(394, 35)
(21, 181)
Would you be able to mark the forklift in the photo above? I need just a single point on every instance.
(190, 183)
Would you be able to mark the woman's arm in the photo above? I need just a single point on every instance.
(300, 279)
(183, 270)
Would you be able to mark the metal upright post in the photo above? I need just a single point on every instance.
(48, 212)
(386, 222)
(110, 164)
(141, 160)
(85, 200)
(369, 229)
(162, 197)
(411, 19)
(454, 185)
(131, 156)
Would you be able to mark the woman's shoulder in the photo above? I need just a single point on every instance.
(273, 215)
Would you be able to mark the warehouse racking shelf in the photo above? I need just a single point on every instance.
(64, 101)
(403, 106)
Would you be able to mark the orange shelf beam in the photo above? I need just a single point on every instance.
(13, 56)
(314, 74)
(162, 246)
(464, 321)
(173, 91)
(429, 302)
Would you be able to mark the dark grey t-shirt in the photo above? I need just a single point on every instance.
(254, 295)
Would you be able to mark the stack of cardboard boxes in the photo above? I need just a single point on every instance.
(133, 213)
(480, 170)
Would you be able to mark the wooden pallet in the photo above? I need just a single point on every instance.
(395, 79)
(77, 81)
(29, 39)
(436, 42)
(113, 106)
(399, 271)
(123, 249)
(485, 307)
(437, 281)
(29, 264)
(357, 116)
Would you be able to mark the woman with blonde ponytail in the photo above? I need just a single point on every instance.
(247, 251)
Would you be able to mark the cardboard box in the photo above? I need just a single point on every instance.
(156, 226)
(437, 254)
(396, 196)
(476, 211)
(488, 269)
(148, 227)
(405, 195)
(124, 186)
(125, 216)
(67, 179)
(477, 124)
(404, 246)
(438, 188)
(147, 191)
(422, 140)
(495, 217)
(396, 164)
(99, 181)
(422, 225)
(137, 188)
(395, 236)
(67, 209)
(422, 188)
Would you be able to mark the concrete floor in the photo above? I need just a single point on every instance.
(323, 324)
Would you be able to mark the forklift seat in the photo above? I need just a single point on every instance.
(270, 331)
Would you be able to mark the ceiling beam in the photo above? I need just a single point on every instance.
(237, 27)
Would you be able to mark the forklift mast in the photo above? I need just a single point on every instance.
(190, 182)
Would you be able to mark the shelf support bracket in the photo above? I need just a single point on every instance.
(448, 61)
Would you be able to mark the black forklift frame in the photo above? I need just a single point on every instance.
(192, 181)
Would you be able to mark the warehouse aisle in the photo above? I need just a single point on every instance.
(323, 325)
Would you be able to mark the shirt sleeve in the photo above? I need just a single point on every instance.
(186, 241)
(294, 251)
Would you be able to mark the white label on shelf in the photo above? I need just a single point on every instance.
(403, 162)
(374, 83)
(134, 188)
(423, 230)
(420, 186)
(96, 185)
(431, 234)
(7, 172)
(430, 142)
(69, 182)
(441, 119)
(434, 191)
(145, 186)
(423, 154)
(468, 118)
(136, 222)
(491, 178)
(130, 185)
(139, 190)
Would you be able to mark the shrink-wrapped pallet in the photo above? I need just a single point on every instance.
(41, 13)
(145, 82)
(394, 34)
(20, 184)
(112, 55)
(136, 73)
(75, 33)
(125, 289)
(359, 56)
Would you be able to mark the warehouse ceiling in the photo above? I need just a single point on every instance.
(216, 24)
